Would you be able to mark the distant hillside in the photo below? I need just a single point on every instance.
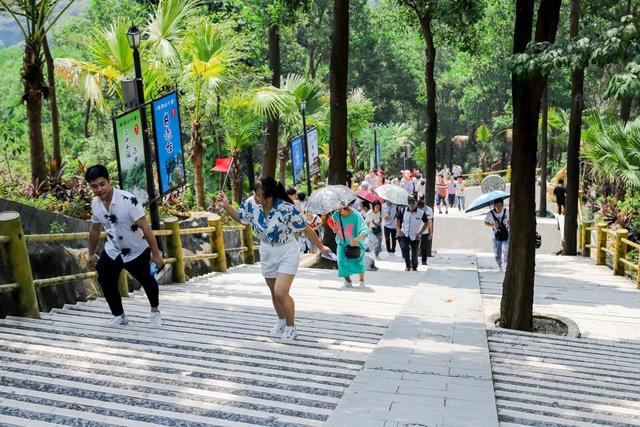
(10, 34)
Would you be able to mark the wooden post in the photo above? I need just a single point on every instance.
(586, 240)
(123, 284)
(16, 261)
(601, 243)
(250, 254)
(581, 230)
(620, 252)
(174, 249)
(217, 244)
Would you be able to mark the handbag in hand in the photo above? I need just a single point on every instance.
(351, 252)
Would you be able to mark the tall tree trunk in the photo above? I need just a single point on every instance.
(53, 103)
(283, 156)
(552, 150)
(573, 149)
(33, 83)
(542, 205)
(625, 109)
(197, 152)
(85, 122)
(251, 177)
(236, 176)
(338, 76)
(338, 95)
(431, 131)
(271, 146)
(516, 306)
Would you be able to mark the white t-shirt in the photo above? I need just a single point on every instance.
(389, 209)
(410, 186)
(421, 187)
(490, 220)
(373, 219)
(460, 186)
(124, 237)
(412, 222)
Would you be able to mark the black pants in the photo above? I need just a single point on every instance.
(424, 246)
(109, 272)
(409, 251)
(390, 239)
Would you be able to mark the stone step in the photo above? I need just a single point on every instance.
(35, 336)
(79, 384)
(539, 419)
(173, 319)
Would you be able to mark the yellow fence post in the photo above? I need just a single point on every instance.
(638, 271)
(217, 243)
(249, 255)
(123, 284)
(601, 243)
(174, 247)
(16, 258)
(586, 240)
(620, 252)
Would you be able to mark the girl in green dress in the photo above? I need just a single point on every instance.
(350, 229)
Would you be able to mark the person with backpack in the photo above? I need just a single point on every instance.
(498, 220)
(410, 224)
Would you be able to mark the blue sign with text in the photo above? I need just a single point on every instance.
(168, 140)
(297, 159)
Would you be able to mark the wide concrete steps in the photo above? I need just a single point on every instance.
(543, 380)
(211, 363)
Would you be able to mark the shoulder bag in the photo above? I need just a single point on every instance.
(501, 233)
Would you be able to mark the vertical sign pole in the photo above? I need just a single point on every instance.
(303, 106)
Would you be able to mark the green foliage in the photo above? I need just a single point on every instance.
(613, 151)
(57, 227)
(630, 206)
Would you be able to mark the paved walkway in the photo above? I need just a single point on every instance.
(432, 366)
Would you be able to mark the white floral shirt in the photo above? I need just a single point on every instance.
(276, 228)
(124, 237)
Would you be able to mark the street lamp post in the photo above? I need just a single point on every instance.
(375, 148)
(134, 36)
(303, 111)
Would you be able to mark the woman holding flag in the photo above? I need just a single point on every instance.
(275, 221)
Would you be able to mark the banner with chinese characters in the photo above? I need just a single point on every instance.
(297, 160)
(314, 154)
(168, 142)
(127, 129)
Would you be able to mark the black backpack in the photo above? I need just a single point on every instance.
(501, 233)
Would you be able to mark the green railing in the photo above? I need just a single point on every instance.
(13, 246)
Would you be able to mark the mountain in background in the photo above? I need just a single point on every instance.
(10, 34)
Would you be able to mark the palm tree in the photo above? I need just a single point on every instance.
(613, 151)
(211, 51)
(483, 138)
(34, 19)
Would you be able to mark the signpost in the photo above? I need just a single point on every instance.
(130, 154)
(168, 142)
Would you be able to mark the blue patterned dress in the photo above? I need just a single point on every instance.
(278, 227)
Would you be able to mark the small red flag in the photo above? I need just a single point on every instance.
(222, 165)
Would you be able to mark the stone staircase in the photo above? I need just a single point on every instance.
(211, 363)
(543, 380)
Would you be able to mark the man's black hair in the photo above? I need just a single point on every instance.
(561, 181)
(302, 197)
(96, 171)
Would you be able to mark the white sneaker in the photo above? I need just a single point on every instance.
(500, 268)
(155, 318)
(120, 320)
(278, 328)
(290, 333)
(347, 285)
(361, 284)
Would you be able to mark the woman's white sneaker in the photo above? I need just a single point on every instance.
(120, 320)
(361, 284)
(278, 328)
(290, 333)
(347, 284)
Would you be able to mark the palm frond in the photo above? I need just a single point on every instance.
(84, 77)
(167, 26)
(271, 101)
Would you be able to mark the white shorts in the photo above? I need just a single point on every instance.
(282, 259)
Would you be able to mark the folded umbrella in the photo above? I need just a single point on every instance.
(393, 193)
(487, 199)
(329, 199)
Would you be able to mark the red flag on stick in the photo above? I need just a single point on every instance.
(222, 165)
